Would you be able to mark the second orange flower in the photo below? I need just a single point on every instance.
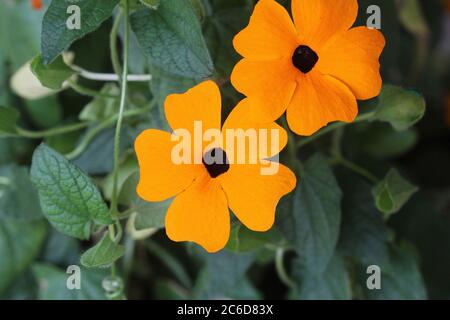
(315, 66)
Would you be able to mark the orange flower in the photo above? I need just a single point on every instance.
(315, 67)
(36, 4)
(203, 190)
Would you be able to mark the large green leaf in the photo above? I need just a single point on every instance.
(8, 119)
(18, 198)
(392, 193)
(332, 284)
(172, 37)
(53, 283)
(52, 75)
(364, 236)
(19, 246)
(400, 278)
(103, 254)
(69, 199)
(310, 217)
(56, 37)
(162, 85)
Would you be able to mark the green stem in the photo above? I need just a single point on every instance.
(282, 273)
(174, 266)
(332, 127)
(123, 99)
(89, 92)
(51, 132)
(357, 169)
(91, 134)
(113, 43)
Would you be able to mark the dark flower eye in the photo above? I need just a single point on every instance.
(216, 162)
(304, 58)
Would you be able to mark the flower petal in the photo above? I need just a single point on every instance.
(200, 103)
(318, 100)
(269, 86)
(200, 214)
(160, 178)
(269, 35)
(353, 58)
(264, 145)
(318, 20)
(253, 196)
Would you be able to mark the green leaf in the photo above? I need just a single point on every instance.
(400, 278)
(227, 18)
(103, 254)
(8, 120)
(127, 179)
(244, 240)
(19, 200)
(332, 284)
(51, 75)
(149, 215)
(97, 158)
(60, 249)
(172, 37)
(45, 112)
(56, 36)
(69, 199)
(223, 276)
(101, 108)
(401, 108)
(382, 141)
(20, 244)
(53, 283)
(392, 193)
(364, 236)
(164, 84)
(310, 217)
(20, 29)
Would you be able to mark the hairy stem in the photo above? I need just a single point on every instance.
(51, 132)
(110, 76)
(331, 128)
(357, 169)
(89, 92)
(282, 273)
(123, 99)
(113, 45)
(91, 134)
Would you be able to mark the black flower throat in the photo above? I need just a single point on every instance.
(304, 58)
(216, 162)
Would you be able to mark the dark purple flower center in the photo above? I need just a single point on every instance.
(216, 162)
(304, 58)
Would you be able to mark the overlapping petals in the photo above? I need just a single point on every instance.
(199, 211)
(347, 63)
